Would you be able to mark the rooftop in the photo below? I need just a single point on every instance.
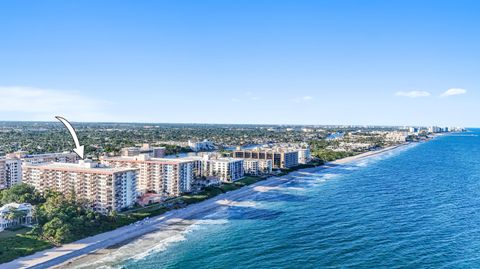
(81, 167)
(143, 158)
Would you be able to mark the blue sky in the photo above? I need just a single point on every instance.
(286, 62)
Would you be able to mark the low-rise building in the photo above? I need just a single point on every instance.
(13, 214)
(396, 136)
(154, 152)
(104, 188)
(199, 146)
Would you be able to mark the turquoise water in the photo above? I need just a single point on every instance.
(417, 207)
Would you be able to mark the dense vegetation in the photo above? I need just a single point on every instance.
(41, 137)
(61, 220)
(318, 149)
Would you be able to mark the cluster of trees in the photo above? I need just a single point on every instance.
(41, 137)
(21, 193)
(318, 149)
(59, 218)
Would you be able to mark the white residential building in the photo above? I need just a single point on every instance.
(304, 155)
(226, 169)
(104, 188)
(257, 167)
(13, 172)
(3, 175)
(199, 146)
(25, 217)
(170, 177)
(396, 136)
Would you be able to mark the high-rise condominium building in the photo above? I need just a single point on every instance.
(257, 167)
(104, 188)
(226, 169)
(280, 158)
(170, 177)
(304, 155)
(3, 179)
(13, 172)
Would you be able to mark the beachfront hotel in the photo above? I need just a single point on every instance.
(104, 188)
(170, 177)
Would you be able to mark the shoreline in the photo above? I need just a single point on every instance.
(174, 220)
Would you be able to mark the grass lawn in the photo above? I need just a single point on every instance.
(14, 244)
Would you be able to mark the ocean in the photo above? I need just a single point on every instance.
(413, 207)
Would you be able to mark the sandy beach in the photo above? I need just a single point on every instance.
(88, 249)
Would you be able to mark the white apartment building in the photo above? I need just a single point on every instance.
(304, 155)
(198, 146)
(104, 188)
(24, 219)
(396, 136)
(13, 172)
(257, 167)
(226, 169)
(3, 175)
(170, 177)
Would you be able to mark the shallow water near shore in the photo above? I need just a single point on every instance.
(415, 206)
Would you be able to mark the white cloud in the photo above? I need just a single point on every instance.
(31, 103)
(453, 91)
(303, 99)
(413, 94)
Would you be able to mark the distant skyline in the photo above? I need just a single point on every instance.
(241, 62)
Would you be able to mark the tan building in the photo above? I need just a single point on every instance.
(154, 152)
(104, 188)
(170, 177)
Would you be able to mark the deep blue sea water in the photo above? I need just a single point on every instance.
(417, 207)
